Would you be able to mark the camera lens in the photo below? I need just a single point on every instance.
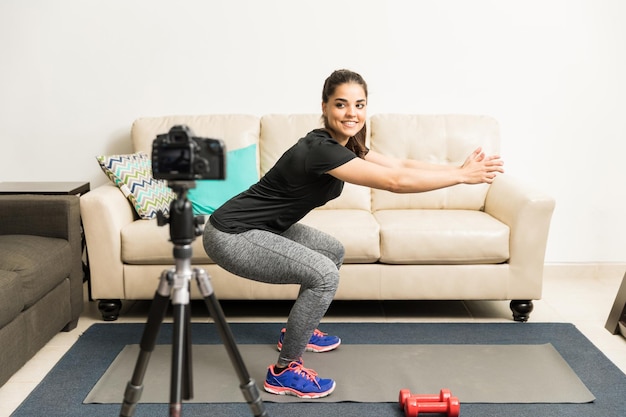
(200, 166)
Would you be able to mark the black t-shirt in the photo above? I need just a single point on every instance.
(294, 186)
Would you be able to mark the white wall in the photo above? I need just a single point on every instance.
(74, 74)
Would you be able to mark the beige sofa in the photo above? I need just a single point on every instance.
(467, 242)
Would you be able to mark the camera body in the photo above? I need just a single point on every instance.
(180, 156)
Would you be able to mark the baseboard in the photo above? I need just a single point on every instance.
(585, 270)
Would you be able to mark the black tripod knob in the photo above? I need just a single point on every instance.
(161, 219)
(198, 221)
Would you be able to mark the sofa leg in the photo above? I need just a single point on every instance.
(521, 309)
(110, 309)
(70, 326)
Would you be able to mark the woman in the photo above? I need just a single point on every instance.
(256, 234)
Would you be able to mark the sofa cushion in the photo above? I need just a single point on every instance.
(11, 298)
(146, 243)
(439, 139)
(357, 230)
(40, 262)
(236, 130)
(441, 237)
(133, 176)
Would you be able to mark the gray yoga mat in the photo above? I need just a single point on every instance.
(365, 373)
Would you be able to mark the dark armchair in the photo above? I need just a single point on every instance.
(41, 274)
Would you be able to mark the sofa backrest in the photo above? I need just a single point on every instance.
(236, 130)
(281, 131)
(441, 139)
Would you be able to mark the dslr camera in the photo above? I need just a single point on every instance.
(180, 156)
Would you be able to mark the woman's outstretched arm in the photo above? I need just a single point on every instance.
(410, 176)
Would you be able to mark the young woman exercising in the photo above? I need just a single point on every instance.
(256, 234)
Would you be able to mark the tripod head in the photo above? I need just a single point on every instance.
(184, 227)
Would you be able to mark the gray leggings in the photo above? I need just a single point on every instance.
(301, 255)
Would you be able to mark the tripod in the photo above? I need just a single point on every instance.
(174, 284)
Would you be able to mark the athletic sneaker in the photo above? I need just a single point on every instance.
(319, 342)
(299, 381)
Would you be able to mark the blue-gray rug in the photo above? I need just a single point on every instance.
(63, 390)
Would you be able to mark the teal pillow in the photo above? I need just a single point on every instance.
(241, 173)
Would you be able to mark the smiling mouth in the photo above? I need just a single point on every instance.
(350, 123)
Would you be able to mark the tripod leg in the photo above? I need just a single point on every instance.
(248, 385)
(178, 353)
(187, 370)
(158, 308)
(181, 343)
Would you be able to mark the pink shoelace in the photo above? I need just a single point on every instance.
(299, 368)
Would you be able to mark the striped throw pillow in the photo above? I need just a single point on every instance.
(133, 176)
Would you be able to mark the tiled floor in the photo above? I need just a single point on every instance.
(582, 295)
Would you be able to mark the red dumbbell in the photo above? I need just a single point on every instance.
(405, 394)
(451, 407)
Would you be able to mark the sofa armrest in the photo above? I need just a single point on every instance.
(105, 211)
(56, 216)
(41, 215)
(527, 212)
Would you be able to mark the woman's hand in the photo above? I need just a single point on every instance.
(479, 168)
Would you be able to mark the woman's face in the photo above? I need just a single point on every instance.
(345, 111)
